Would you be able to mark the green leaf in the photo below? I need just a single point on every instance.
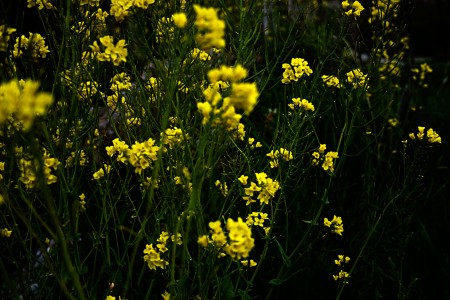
(286, 259)
(276, 281)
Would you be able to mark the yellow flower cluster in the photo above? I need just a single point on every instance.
(94, 23)
(34, 45)
(301, 103)
(90, 2)
(353, 9)
(223, 187)
(153, 258)
(342, 276)
(266, 187)
(173, 137)
(431, 135)
(295, 70)
(257, 219)
(327, 159)
(101, 172)
(357, 78)
(240, 239)
(250, 263)
(82, 203)
(86, 90)
(5, 232)
(211, 28)
(384, 10)
(140, 156)
(239, 242)
(5, 35)
(424, 69)
(199, 54)
(120, 82)
(331, 81)
(335, 225)
(342, 260)
(21, 101)
(242, 96)
(114, 53)
(41, 4)
(164, 30)
(2, 168)
(180, 20)
(118, 103)
(251, 142)
(153, 255)
(121, 9)
(282, 153)
(29, 168)
(185, 180)
(78, 156)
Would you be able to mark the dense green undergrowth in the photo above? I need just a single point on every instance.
(215, 150)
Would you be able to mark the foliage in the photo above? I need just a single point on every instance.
(211, 150)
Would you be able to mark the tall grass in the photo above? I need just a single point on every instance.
(211, 150)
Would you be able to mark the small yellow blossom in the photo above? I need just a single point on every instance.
(246, 263)
(393, 122)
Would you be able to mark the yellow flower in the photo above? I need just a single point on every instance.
(153, 258)
(241, 241)
(203, 241)
(295, 70)
(180, 19)
(432, 136)
(246, 263)
(114, 53)
(22, 101)
(34, 44)
(354, 9)
(165, 296)
(342, 260)
(5, 232)
(40, 3)
(99, 174)
(335, 224)
(331, 81)
(342, 276)
(357, 78)
(5, 35)
(211, 28)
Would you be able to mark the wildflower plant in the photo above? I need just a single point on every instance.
(173, 149)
